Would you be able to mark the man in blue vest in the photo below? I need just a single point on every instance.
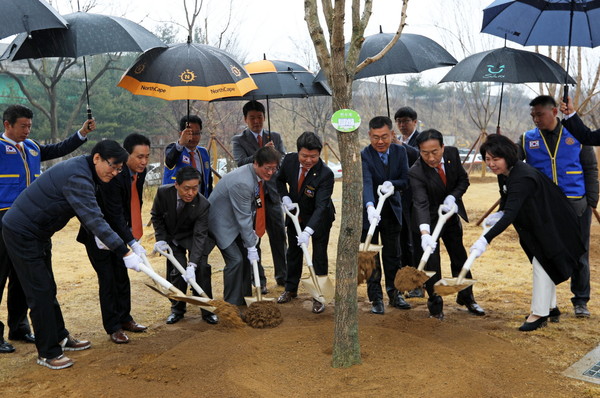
(20, 161)
(187, 152)
(553, 150)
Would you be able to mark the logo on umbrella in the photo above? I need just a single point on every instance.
(236, 71)
(494, 74)
(139, 69)
(187, 76)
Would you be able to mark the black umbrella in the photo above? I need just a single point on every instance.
(88, 34)
(506, 65)
(411, 54)
(281, 79)
(18, 16)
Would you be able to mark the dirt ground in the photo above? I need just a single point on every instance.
(404, 353)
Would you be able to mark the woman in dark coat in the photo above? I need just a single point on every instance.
(546, 224)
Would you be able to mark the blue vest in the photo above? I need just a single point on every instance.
(564, 168)
(15, 173)
(184, 160)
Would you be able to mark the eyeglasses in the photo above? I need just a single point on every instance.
(270, 169)
(118, 169)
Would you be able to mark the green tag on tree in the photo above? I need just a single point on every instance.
(345, 120)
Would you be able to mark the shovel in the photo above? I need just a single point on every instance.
(367, 251)
(447, 286)
(407, 278)
(169, 255)
(257, 287)
(320, 287)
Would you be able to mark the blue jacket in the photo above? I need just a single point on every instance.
(564, 168)
(174, 160)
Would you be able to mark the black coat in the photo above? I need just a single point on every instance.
(542, 216)
(580, 131)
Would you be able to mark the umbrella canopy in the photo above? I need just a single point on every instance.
(18, 16)
(544, 22)
(88, 34)
(187, 71)
(507, 65)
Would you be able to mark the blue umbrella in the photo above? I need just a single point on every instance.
(545, 22)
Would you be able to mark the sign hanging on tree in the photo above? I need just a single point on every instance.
(345, 120)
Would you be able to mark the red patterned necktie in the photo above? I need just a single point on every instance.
(260, 213)
(301, 178)
(259, 139)
(193, 159)
(441, 172)
(136, 210)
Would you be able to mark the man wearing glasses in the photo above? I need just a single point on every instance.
(237, 220)
(407, 121)
(187, 152)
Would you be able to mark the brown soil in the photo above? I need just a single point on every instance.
(409, 278)
(404, 353)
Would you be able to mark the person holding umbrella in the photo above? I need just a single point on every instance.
(20, 165)
(574, 124)
(553, 150)
(547, 225)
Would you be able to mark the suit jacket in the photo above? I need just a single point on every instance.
(314, 199)
(233, 206)
(374, 174)
(189, 228)
(413, 140)
(580, 131)
(244, 145)
(429, 191)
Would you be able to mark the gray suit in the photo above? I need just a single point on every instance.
(231, 223)
(244, 147)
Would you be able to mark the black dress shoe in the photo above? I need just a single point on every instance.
(531, 326)
(416, 293)
(378, 307)
(399, 302)
(439, 316)
(26, 337)
(211, 319)
(286, 297)
(174, 318)
(435, 305)
(554, 315)
(264, 290)
(581, 311)
(318, 307)
(6, 347)
(472, 306)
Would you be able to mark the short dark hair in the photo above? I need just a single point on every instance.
(191, 119)
(187, 173)
(431, 134)
(267, 154)
(500, 146)
(13, 112)
(109, 149)
(405, 111)
(310, 141)
(253, 106)
(380, 121)
(133, 140)
(544, 100)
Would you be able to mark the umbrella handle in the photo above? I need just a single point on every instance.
(566, 93)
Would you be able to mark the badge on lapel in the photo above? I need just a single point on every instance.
(309, 191)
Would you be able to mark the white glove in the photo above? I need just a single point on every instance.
(287, 203)
(304, 237)
(100, 244)
(372, 215)
(428, 241)
(449, 203)
(479, 246)
(133, 261)
(161, 245)
(137, 248)
(386, 187)
(190, 273)
(493, 218)
(253, 254)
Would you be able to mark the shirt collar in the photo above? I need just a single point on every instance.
(256, 134)
(10, 140)
(410, 136)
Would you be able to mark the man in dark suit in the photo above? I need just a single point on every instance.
(386, 164)
(180, 220)
(438, 178)
(115, 201)
(575, 125)
(407, 121)
(310, 184)
(244, 147)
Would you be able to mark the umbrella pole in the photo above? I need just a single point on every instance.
(566, 90)
(387, 98)
(500, 108)
(188, 114)
(268, 118)
(87, 92)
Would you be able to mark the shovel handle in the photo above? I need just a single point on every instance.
(373, 225)
(169, 255)
(442, 218)
(467, 265)
(256, 280)
(160, 280)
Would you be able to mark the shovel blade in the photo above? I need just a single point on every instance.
(324, 292)
(445, 287)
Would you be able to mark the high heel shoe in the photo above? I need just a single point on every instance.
(531, 326)
(554, 315)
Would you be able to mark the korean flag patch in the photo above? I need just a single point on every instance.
(185, 159)
(10, 149)
(534, 144)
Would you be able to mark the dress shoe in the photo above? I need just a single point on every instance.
(25, 337)
(70, 343)
(554, 315)
(174, 318)
(378, 307)
(6, 347)
(264, 290)
(133, 326)
(472, 306)
(318, 307)
(399, 302)
(286, 297)
(416, 293)
(280, 281)
(211, 319)
(435, 305)
(60, 362)
(531, 326)
(581, 311)
(439, 316)
(119, 337)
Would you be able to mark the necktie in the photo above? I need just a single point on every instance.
(193, 159)
(21, 151)
(136, 210)
(384, 158)
(259, 139)
(260, 222)
(301, 178)
(441, 172)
